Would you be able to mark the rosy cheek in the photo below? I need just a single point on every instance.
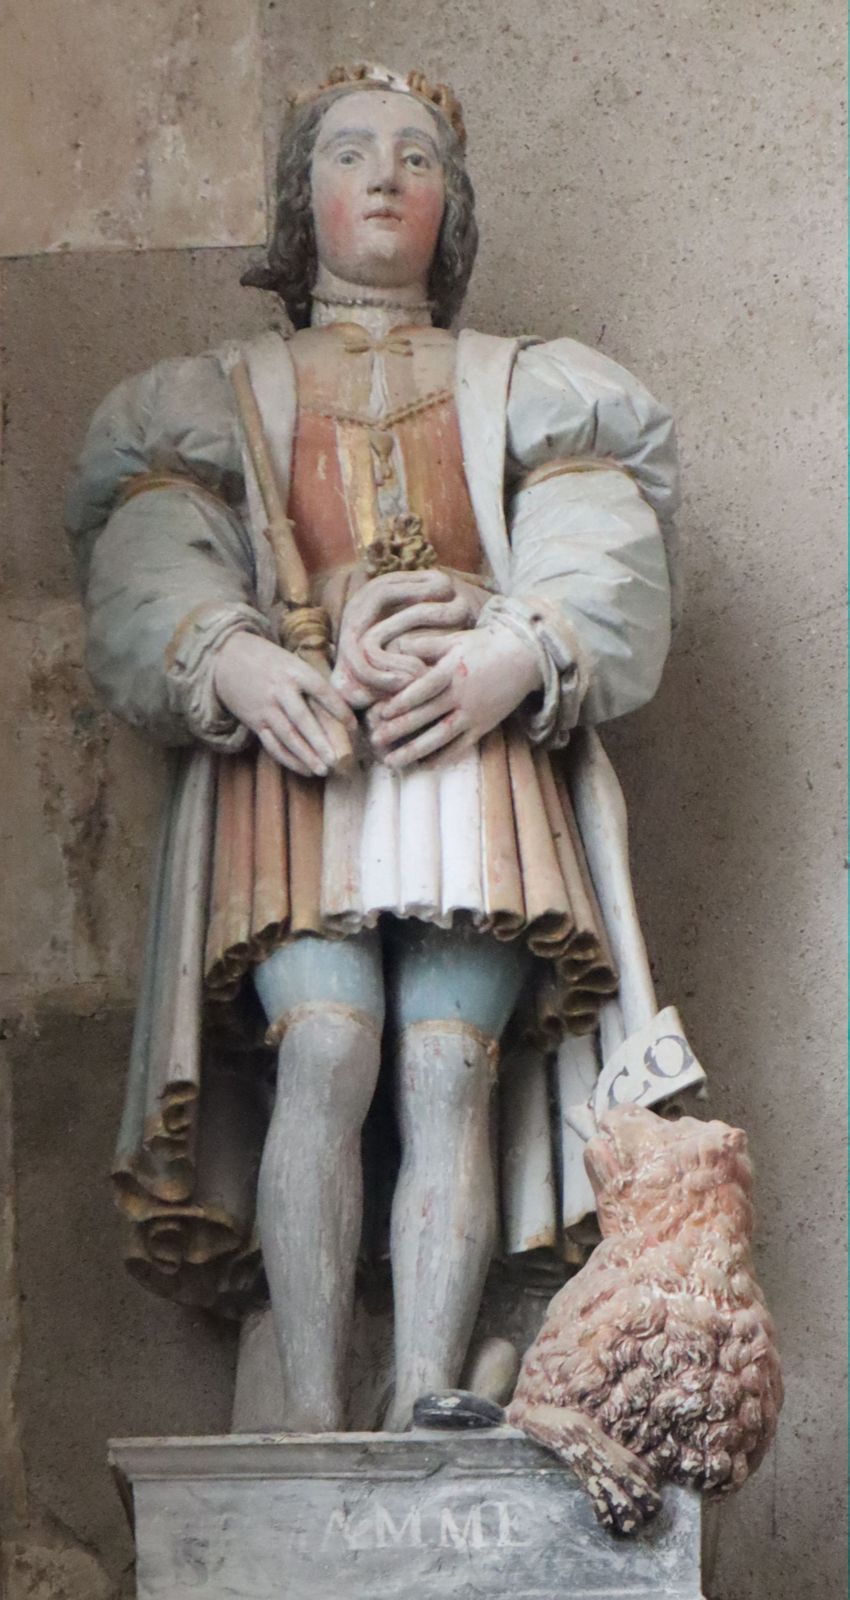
(334, 220)
(339, 218)
(425, 214)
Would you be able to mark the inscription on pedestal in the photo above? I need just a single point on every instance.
(374, 1517)
(484, 1525)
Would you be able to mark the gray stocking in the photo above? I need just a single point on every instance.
(310, 1201)
(444, 1213)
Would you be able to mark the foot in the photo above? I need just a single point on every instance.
(456, 1409)
(621, 1486)
(492, 1370)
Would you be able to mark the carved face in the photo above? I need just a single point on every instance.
(378, 189)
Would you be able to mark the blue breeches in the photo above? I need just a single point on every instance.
(411, 971)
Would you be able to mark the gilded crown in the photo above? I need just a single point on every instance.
(369, 75)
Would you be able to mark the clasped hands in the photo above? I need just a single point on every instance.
(409, 658)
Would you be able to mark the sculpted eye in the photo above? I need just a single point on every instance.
(347, 158)
(417, 159)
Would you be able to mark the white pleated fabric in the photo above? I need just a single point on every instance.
(409, 843)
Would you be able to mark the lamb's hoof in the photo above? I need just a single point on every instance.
(456, 1408)
(623, 1501)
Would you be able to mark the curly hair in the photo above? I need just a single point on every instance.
(292, 262)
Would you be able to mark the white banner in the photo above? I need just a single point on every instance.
(652, 1065)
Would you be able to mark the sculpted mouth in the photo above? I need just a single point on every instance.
(383, 211)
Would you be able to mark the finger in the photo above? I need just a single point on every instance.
(388, 730)
(329, 741)
(281, 753)
(402, 588)
(320, 688)
(430, 580)
(379, 596)
(284, 725)
(454, 613)
(425, 645)
(437, 737)
(373, 719)
(307, 723)
(354, 693)
(340, 740)
(394, 672)
(449, 617)
(405, 667)
(427, 687)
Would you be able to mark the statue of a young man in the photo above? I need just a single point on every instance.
(387, 857)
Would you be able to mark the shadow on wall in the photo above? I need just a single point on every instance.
(710, 775)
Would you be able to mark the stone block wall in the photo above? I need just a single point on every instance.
(663, 184)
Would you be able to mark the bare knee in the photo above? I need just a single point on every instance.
(328, 1067)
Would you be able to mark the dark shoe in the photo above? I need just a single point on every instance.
(456, 1409)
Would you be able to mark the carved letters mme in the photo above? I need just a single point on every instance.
(481, 1525)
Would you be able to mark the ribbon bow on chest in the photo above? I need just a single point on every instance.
(357, 342)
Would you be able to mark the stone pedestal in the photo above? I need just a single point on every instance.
(374, 1516)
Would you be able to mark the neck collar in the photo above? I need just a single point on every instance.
(378, 316)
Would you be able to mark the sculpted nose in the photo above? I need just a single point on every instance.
(384, 177)
(386, 183)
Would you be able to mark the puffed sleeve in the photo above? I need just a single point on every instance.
(162, 554)
(592, 487)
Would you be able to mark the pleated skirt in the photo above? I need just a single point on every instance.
(488, 837)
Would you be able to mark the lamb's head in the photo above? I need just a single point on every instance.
(657, 1175)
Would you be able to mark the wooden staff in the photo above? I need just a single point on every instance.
(304, 628)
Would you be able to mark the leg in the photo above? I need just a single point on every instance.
(328, 1000)
(622, 1487)
(453, 993)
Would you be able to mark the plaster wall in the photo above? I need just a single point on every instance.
(662, 183)
(132, 125)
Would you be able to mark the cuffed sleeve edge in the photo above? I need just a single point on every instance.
(190, 665)
(562, 662)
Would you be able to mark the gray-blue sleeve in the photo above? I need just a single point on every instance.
(166, 573)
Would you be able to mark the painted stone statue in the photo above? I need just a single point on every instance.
(375, 585)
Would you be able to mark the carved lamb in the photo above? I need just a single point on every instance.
(658, 1360)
